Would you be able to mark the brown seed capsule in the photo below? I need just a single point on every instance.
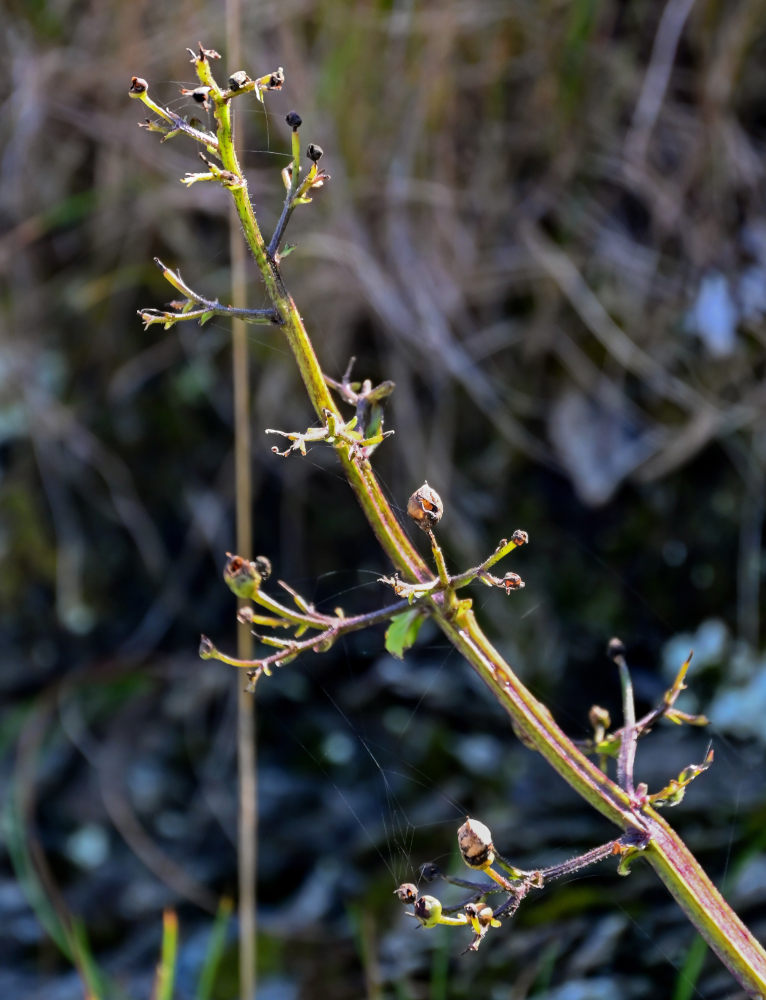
(425, 507)
(238, 80)
(314, 152)
(406, 892)
(475, 842)
(294, 120)
(480, 913)
(512, 581)
(276, 79)
(138, 86)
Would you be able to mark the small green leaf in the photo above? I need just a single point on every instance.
(403, 631)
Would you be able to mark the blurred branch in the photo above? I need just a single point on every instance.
(657, 77)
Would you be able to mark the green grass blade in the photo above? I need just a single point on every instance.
(214, 952)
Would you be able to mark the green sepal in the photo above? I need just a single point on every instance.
(627, 857)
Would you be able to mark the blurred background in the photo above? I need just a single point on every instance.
(546, 224)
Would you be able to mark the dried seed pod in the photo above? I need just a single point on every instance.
(520, 537)
(138, 86)
(428, 910)
(314, 152)
(512, 581)
(199, 94)
(425, 507)
(238, 80)
(294, 120)
(406, 892)
(481, 913)
(475, 842)
(243, 577)
(276, 79)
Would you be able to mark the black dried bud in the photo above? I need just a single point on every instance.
(137, 86)
(425, 507)
(294, 120)
(238, 80)
(616, 649)
(429, 871)
(276, 79)
(314, 152)
(199, 94)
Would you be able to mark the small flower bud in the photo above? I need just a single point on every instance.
(520, 537)
(430, 871)
(428, 910)
(314, 152)
(276, 79)
(199, 94)
(425, 507)
(406, 892)
(294, 120)
(138, 86)
(599, 718)
(615, 650)
(238, 80)
(475, 842)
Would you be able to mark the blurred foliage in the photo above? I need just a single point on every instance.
(546, 224)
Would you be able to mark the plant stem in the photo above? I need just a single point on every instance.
(532, 721)
(705, 907)
(247, 833)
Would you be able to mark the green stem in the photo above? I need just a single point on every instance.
(627, 756)
(714, 919)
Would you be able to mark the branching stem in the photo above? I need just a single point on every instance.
(677, 867)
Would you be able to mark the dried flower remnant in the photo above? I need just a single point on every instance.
(425, 507)
(294, 120)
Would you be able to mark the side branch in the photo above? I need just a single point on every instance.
(205, 308)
